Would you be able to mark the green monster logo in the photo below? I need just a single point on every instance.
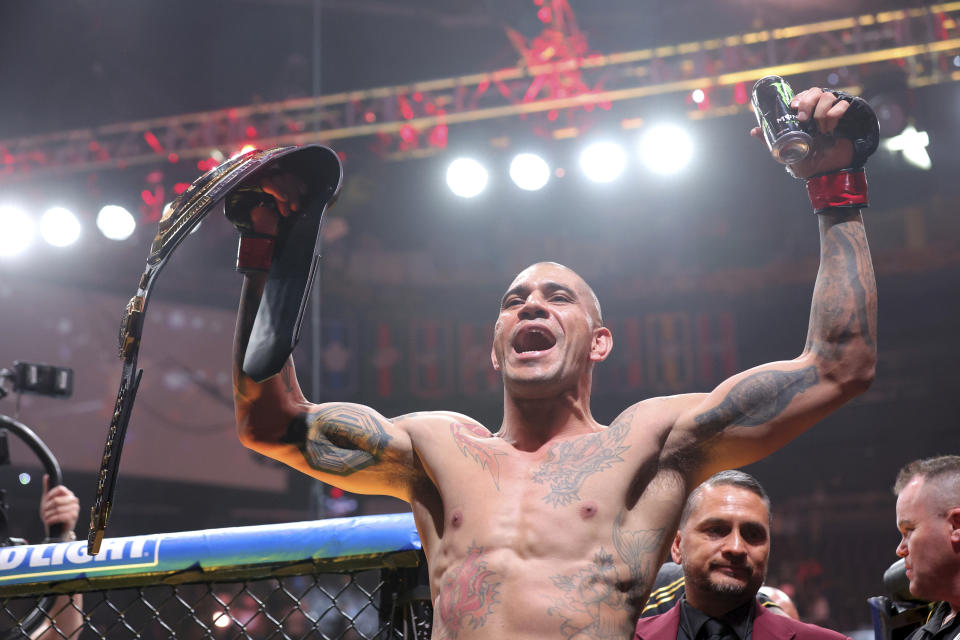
(786, 93)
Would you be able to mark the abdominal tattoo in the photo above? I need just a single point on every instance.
(483, 454)
(757, 399)
(467, 595)
(569, 464)
(339, 439)
(594, 602)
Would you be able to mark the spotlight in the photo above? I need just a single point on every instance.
(529, 171)
(466, 177)
(603, 161)
(59, 227)
(16, 231)
(115, 222)
(698, 95)
(913, 145)
(666, 149)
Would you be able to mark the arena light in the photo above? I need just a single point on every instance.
(59, 227)
(603, 161)
(16, 231)
(913, 145)
(666, 149)
(529, 171)
(466, 177)
(115, 222)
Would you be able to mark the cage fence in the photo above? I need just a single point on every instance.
(350, 578)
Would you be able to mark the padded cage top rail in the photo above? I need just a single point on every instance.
(338, 544)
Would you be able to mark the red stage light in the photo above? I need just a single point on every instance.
(740, 93)
(153, 142)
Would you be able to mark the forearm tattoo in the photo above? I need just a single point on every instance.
(757, 399)
(483, 454)
(845, 299)
(468, 594)
(340, 439)
(569, 464)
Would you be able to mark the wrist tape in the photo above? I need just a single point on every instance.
(844, 189)
(254, 253)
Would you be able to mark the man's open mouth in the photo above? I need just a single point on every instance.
(531, 339)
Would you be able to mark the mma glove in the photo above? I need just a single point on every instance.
(256, 248)
(846, 188)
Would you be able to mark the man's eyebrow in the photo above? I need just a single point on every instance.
(511, 291)
(549, 286)
(556, 286)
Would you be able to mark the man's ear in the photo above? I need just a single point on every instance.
(493, 359)
(602, 344)
(953, 517)
(675, 549)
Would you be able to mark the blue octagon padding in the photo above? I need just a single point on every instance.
(210, 549)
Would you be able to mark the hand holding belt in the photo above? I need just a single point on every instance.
(285, 295)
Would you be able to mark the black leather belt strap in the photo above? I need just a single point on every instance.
(277, 334)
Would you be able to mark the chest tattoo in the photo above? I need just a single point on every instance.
(483, 454)
(569, 464)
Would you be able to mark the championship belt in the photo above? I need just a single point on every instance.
(277, 325)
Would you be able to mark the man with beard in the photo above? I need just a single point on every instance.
(723, 544)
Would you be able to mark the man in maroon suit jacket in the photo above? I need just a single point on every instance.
(723, 544)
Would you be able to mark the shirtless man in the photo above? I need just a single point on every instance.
(554, 525)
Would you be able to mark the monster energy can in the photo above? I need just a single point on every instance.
(786, 139)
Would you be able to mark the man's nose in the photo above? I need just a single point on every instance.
(533, 307)
(734, 545)
(902, 548)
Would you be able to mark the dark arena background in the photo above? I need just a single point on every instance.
(704, 262)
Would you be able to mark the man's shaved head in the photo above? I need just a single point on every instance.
(586, 289)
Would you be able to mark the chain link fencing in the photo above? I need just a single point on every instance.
(354, 594)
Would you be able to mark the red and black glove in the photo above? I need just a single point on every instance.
(847, 188)
(254, 213)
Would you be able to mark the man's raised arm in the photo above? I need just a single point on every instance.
(756, 412)
(348, 445)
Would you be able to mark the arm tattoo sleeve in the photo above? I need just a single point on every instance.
(639, 549)
(757, 399)
(340, 439)
(845, 298)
